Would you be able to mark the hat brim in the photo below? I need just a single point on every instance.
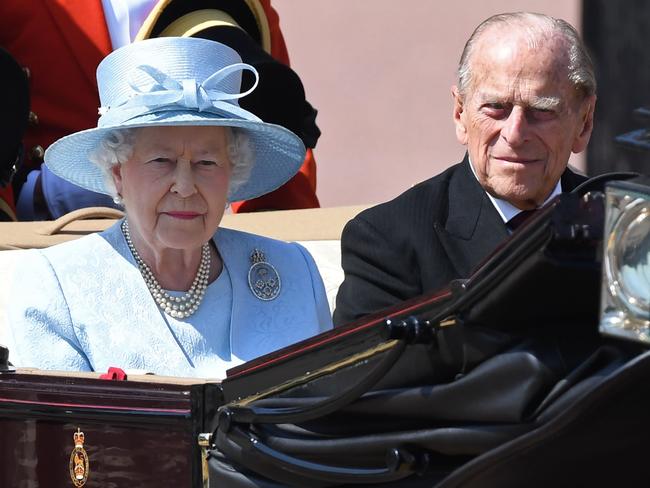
(278, 152)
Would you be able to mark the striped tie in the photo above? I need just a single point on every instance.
(514, 223)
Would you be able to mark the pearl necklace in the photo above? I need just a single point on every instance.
(177, 307)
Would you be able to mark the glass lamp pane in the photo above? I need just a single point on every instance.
(625, 304)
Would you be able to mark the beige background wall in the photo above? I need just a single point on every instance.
(379, 72)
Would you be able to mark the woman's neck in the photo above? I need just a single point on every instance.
(175, 269)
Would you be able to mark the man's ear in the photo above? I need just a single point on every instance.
(116, 171)
(459, 119)
(586, 124)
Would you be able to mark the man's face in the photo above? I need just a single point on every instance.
(521, 117)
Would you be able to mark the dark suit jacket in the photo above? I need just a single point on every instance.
(437, 231)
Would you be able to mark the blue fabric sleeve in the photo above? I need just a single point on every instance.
(41, 331)
(63, 197)
(25, 203)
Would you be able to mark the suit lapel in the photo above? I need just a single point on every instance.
(570, 180)
(83, 26)
(473, 227)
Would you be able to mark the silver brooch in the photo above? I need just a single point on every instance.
(263, 279)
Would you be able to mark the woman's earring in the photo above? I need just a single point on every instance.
(118, 199)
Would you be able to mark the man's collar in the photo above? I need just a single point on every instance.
(507, 210)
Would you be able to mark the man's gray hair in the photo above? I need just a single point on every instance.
(538, 26)
(116, 147)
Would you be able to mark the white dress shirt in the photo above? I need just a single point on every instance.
(507, 210)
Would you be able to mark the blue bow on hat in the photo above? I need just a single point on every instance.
(170, 94)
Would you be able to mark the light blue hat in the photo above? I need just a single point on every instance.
(177, 81)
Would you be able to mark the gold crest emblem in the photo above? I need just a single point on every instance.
(79, 466)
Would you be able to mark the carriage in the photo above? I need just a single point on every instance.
(533, 370)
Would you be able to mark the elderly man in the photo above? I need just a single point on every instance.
(524, 101)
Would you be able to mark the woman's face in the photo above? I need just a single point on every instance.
(175, 184)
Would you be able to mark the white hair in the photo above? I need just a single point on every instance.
(116, 147)
(538, 28)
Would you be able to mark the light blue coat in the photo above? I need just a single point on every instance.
(84, 305)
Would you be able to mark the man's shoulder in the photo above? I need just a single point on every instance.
(425, 197)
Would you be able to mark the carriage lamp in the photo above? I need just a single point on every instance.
(625, 298)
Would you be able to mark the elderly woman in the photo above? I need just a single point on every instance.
(166, 290)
